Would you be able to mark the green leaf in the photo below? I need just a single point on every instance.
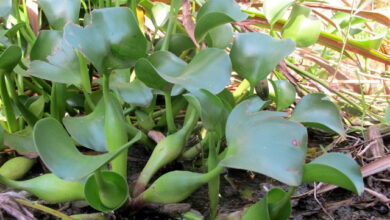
(373, 43)
(301, 28)
(285, 94)
(178, 43)
(152, 69)
(275, 9)
(10, 58)
(257, 139)
(266, 207)
(163, 67)
(112, 41)
(22, 141)
(337, 169)
(65, 160)
(316, 110)
(197, 74)
(215, 13)
(59, 12)
(88, 130)
(37, 106)
(211, 109)
(5, 8)
(45, 44)
(387, 114)
(220, 36)
(135, 93)
(54, 59)
(93, 192)
(255, 55)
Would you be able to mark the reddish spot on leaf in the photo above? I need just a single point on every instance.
(295, 142)
(295, 171)
(288, 170)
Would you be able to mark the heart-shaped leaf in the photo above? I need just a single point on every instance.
(316, 110)
(112, 41)
(88, 130)
(211, 109)
(265, 208)
(284, 94)
(59, 12)
(257, 139)
(214, 13)
(5, 8)
(65, 160)
(275, 9)
(10, 58)
(255, 55)
(163, 67)
(118, 195)
(337, 169)
(220, 36)
(22, 141)
(55, 59)
(301, 28)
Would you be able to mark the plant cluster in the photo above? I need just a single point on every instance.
(96, 80)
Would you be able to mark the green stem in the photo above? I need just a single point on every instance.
(171, 24)
(8, 110)
(32, 86)
(132, 131)
(101, 3)
(108, 3)
(215, 172)
(323, 83)
(241, 91)
(169, 113)
(15, 7)
(214, 182)
(88, 98)
(276, 209)
(26, 113)
(27, 21)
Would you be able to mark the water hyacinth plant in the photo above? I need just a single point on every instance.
(95, 81)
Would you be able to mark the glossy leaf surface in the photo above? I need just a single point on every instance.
(88, 130)
(285, 94)
(337, 169)
(274, 9)
(109, 45)
(214, 13)
(178, 43)
(210, 69)
(301, 28)
(65, 160)
(316, 110)
(54, 59)
(257, 139)
(10, 58)
(255, 55)
(59, 12)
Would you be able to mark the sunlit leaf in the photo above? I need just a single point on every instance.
(59, 12)
(5, 8)
(214, 13)
(274, 9)
(255, 55)
(301, 28)
(337, 169)
(316, 110)
(106, 44)
(257, 139)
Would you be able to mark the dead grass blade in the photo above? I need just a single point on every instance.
(188, 23)
(9, 204)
